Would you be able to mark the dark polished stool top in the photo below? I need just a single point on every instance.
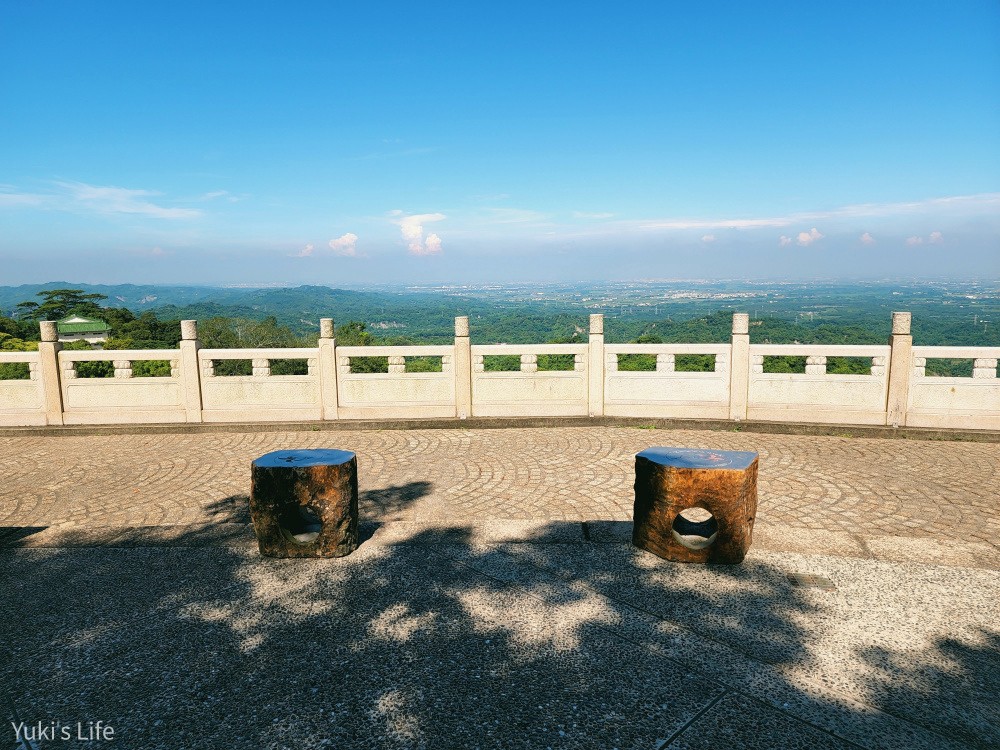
(698, 458)
(306, 457)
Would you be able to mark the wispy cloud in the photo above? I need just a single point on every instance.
(118, 200)
(215, 194)
(708, 238)
(867, 239)
(589, 215)
(346, 245)
(784, 241)
(412, 229)
(977, 203)
(512, 216)
(9, 197)
(936, 238)
(305, 252)
(714, 223)
(81, 197)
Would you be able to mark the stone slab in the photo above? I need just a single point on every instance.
(757, 726)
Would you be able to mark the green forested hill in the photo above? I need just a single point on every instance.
(696, 312)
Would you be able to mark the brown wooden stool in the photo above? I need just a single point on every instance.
(304, 503)
(694, 505)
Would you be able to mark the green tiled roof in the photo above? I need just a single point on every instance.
(85, 325)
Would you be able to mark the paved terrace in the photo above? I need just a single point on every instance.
(496, 602)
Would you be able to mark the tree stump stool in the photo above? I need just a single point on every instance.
(694, 505)
(304, 503)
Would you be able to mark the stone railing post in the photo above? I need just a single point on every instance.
(48, 355)
(739, 367)
(190, 370)
(463, 369)
(595, 364)
(329, 395)
(900, 364)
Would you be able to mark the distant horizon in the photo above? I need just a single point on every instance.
(536, 282)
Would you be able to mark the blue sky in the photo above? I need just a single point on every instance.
(339, 143)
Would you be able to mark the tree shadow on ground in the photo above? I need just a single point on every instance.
(446, 639)
(374, 506)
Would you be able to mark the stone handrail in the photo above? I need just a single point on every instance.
(957, 352)
(272, 353)
(820, 350)
(667, 348)
(536, 349)
(438, 350)
(895, 391)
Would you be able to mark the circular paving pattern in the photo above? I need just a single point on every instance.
(945, 490)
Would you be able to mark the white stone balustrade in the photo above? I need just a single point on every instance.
(895, 390)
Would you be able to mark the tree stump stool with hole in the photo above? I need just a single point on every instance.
(304, 503)
(694, 505)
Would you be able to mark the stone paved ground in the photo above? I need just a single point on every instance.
(854, 493)
(484, 613)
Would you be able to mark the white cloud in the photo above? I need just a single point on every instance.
(588, 215)
(305, 252)
(867, 239)
(803, 238)
(935, 238)
(433, 245)
(345, 245)
(412, 229)
(807, 238)
(117, 200)
(708, 238)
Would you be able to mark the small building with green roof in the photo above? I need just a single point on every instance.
(79, 328)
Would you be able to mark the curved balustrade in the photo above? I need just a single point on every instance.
(891, 385)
